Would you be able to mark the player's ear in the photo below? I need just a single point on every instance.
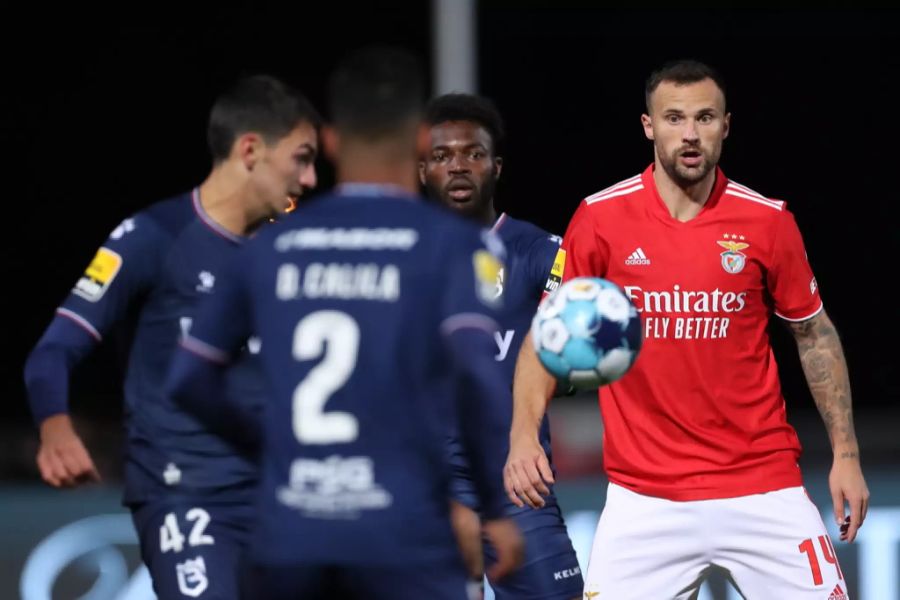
(331, 142)
(727, 127)
(248, 149)
(498, 166)
(422, 171)
(648, 126)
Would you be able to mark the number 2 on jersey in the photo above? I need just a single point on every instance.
(336, 335)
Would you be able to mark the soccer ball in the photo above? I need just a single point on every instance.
(587, 332)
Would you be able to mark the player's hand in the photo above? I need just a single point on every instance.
(848, 485)
(507, 540)
(467, 527)
(62, 458)
(527, 473)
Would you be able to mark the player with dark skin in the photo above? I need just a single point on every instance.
(461, 170)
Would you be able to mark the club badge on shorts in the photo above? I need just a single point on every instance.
(191, 575)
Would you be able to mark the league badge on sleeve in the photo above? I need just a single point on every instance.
(99, 275)
(556, 273)
(487, 274)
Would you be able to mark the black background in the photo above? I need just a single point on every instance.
(100, 119)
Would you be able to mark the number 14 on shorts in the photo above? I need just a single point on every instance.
(171, 538)
(808, 546)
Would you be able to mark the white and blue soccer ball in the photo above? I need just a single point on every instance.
(587, 332)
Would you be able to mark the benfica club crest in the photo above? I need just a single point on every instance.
(733, 260)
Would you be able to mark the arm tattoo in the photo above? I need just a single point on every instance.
(825, 368)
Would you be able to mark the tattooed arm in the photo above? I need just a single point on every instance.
(823, 363)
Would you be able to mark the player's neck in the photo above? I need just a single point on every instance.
(489, 216)
(220, 197)
(684, 202)
(357, 164)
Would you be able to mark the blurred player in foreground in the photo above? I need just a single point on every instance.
(701, 460)
(370, 305)
(461, 170)
(189, 490)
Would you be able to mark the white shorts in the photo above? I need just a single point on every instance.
(773, 546)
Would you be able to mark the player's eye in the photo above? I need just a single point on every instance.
(476, 155)
(705, 119)
(673, 119)
(438, 156)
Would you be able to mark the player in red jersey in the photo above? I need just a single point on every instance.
(701, 460)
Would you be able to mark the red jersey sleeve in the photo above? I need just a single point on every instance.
(790, 278)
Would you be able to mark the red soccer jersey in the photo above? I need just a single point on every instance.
(700, 415)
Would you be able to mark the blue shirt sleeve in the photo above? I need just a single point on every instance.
(48, 367)
(122, 270)
(541, 255)
(469, 321)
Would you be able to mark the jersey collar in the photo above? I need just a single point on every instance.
(657, 207)
(209, 222)
(372, 190)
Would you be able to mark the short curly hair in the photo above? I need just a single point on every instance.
(467, 107)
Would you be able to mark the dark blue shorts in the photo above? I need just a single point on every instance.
(192, 547)
(550, 570)
(442, 581)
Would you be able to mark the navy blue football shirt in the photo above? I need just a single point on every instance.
(530, 256)
(532, 267)
(159, 264)
(370, 304)
(530, 270)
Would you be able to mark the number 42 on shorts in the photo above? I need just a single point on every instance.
(171, 538)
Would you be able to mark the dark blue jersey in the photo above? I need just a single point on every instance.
(160, 264)
(533, 266)
(361, 299)
(530, 256)
(530, 253)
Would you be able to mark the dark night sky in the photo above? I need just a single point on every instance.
(106, 119)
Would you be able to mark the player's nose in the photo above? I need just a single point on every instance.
(690, 133)
(457, 165)
(308, 178)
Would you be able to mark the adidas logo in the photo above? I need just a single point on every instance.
(838, 593)
(637, 258)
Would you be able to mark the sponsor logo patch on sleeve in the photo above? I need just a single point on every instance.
(487, 274)
(556, 273)
(99, 275)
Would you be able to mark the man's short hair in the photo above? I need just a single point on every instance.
(257, 103)
(467, 107)
(376, 90)
(681, 72)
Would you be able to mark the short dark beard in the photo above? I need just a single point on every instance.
(480, 208)
(685, 181)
